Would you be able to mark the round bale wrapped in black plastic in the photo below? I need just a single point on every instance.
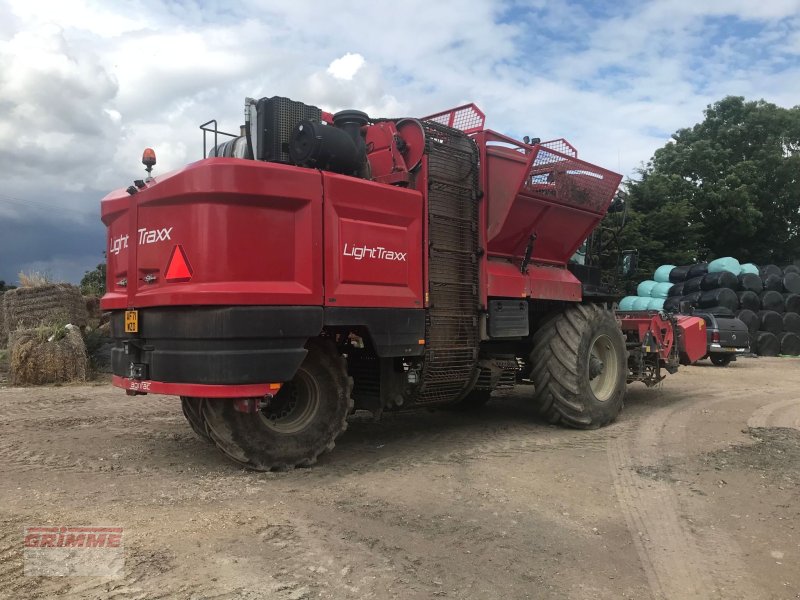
(718, 311)
(750, 282)
(773, 283)
(720, 279)
(791, 283)
(770, 321)
(791, 269)
(692, 298)
(791, 302)
(751, 320)
(692, 285)
(678, 274)
(697, 270)
(790, 343)
(672, 304)
(749, 300)
(791, 322)
(724, 297)
(765, 270)
(767, 344)
(676, 290)
(772, 301)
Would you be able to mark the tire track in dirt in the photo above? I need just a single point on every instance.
(676, 562)
(783, 413)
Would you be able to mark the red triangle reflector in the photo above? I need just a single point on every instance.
(178, 268)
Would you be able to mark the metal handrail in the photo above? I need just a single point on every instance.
(216, 132)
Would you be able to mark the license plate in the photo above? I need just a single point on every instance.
(131, 321)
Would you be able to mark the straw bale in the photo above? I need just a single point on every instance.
(55, 303)
(3, 332)
(47, 355)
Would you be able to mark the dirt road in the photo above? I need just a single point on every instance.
(693, 493)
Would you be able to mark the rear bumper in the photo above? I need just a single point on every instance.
(720, 349)
(136, 387)
(201, 347)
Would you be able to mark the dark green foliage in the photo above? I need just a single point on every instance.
(94, 282)
(729, 186)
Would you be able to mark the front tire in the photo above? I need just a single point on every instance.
(721, 360)
(192, 410)
(579, 367)
(300, 422)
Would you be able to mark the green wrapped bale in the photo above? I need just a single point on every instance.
(662, 273)
(661, 290)
(749, 268)
(726, 263)
(643, 289)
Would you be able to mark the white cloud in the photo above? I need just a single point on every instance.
(345, 67)
(86, 85)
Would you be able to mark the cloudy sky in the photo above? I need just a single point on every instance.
(85, 86)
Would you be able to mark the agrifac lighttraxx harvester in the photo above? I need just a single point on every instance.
(317, 264)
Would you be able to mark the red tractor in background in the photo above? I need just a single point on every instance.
(317, 264)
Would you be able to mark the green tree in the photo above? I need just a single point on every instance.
(94, 282)
(729, 186)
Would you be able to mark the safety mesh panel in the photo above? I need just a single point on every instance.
(564, 179)
(451, 348)
(561, 145)
(468, 118)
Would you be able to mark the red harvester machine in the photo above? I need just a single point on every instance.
(318, 264)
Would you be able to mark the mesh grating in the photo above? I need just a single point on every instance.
(277, 117)
(467, 118)
(564, 179)
(451, 349)
(561, 145)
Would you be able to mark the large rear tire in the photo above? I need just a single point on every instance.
(579, 367)
(300, 423)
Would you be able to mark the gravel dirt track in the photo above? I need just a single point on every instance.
(693, 493)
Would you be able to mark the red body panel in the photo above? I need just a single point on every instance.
(373, 244)
(661, 331)
(693, 337)
(252, 232)
(504, 279)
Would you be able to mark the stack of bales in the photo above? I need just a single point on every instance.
(3, 332)
(766, 299)
(45, 343)
(44, 304)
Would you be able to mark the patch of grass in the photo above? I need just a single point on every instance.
(34, 279)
